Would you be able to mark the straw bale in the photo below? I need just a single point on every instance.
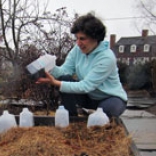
(75, 140)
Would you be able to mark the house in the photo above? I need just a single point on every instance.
(133, 50)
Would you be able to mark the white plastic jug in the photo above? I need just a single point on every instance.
(26, 118)
(46, 62)
(98, 118)
(61, 117)
(7, 121)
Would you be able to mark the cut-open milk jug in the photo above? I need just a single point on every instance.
(43, 63)
(98, 118)
(61, 117)
(7, 121)
(26, 118)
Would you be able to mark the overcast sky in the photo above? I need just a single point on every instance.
(114, 13)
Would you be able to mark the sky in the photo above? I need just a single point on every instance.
(114, 14)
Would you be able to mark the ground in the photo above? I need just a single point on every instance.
(143, 93)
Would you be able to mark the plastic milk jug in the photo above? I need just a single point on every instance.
(46, 62)
(7, 121)
(26, 118)
(98, 118)
(61, 117)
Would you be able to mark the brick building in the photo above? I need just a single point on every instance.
(132, 50)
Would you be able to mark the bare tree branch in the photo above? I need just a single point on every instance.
(148, 10)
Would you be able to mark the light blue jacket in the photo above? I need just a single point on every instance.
(97, 73)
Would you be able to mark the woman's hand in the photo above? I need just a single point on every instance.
(49, 79)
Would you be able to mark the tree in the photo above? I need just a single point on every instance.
(56, 38)
(26, 21)
(16, 18)
(122, 72)
(146, 10)
(28, 31)
(139, 76)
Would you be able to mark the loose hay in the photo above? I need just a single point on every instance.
(76, 140)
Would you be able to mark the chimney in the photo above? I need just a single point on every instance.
(144, 33)
(112, 40)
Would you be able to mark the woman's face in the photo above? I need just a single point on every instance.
(85, 43)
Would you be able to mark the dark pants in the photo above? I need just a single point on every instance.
(112, 106)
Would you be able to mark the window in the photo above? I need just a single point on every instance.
(146, 48)
(133, 48)
(121, 49)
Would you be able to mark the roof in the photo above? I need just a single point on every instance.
(137, 40)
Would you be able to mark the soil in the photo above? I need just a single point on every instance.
(152, 110)
(17, 109)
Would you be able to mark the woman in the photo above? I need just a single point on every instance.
(95, 67)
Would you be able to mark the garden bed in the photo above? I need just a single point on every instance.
(76, 140)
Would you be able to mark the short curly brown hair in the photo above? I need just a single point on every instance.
(91, 26)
